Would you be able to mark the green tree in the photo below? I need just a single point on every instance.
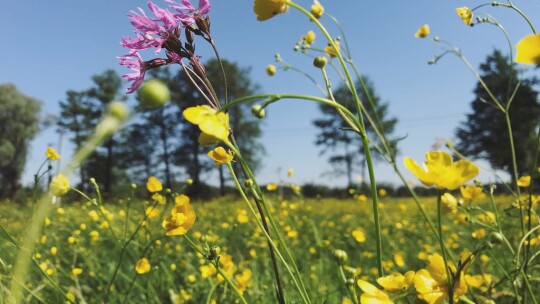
(19, 123)
(335, 138)
(246, 128)
(484, 135)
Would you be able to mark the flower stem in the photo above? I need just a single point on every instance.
(441, 242)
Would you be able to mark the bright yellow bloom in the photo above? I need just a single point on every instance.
(60, 185)
(372, 295)
(143, 266)
(317, 9)
(271, 70)
(524, 181)
(290, 172)
(151, 212)
(440, 171)
(422, 31)
(431, 283)
(94, 216)
(181, 199)
(449, 203)
(397, 281)
(266, 9)
(51, 154)
(54, 251)
(272, 186)
(153, 184)
(359, 235)
(472, 193)
(382, 192)
(465, 14)
(243, 280)
(220, 156)
(479, 234)
(242, 216)
(528, 51)
(399, 259)
(211, 122)
(330, 51)
(76, 271)
(181, 219)
(309, 38)
(94, 236)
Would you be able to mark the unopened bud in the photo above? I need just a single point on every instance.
(340, 256)
(320, 61)
(133, 186)
(118, 110)
(189, 181)
(92, 180)
(258, 111)
(203, 238)
(271, 70)
(496, 238)
(214, 252)
(153, 93)
(248, 183)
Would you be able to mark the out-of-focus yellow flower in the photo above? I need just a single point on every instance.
(76, 271)
(207, 271)
(143, 266)
(266, 9)
(242, 216)
(477, 281)
(399, 259)
(94, 236)
(524, 181)
(290, 172)
(472, 193)
(359, 235)
(52, 154)
(151, 212)
(54, 251)
(440, 171)
(361, 198)
(272, 186)
(153, 184)
(181, 199)
(181, 219)
(372, 295)
(309, 38)
(317, 10)
(449, 203)
(211, 122)
(332, 52)
(94, 216)
(431, 283)
(220, 156)
(382, 192)
(465, 14)
(479, 234)
(71, 240)
(397, 281)
(243, 280)
(60, 211)
(271, 70)
(422, 31)
(60, 185)
(528, 51)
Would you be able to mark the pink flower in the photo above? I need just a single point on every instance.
(138, 68)
(187, 12)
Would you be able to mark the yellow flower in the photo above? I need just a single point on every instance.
(181, 199)
(472, 193)
(317, 9)
(441, 172)
(151, 212)
(211, 122)
(60, 185)
(54, 251)
(399, 259)
(449, 203)
(465, 14)
(142, 266)
(290, 172)
(330, 51)
(524, 181)
(528, 51)
(94, 236)
(272, 186)
(271, 70)
(181, 219)
(422, 31)
(359, 235)
(51, 154)
(382, 192)
(266, 9)
(153, 184)
(479, 234)
(243, 280)
(242, 216)
(372, 295)
(76, 271)
(431, 283)
(397, 281)
(220, 156)
(309, 38)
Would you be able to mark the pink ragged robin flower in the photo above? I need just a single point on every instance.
(187, 13)
(139, 68)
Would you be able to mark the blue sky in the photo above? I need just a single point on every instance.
(50, 47)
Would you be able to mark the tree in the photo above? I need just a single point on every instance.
(335, 138)
(19, 121)
(484, 135)
(246, 128)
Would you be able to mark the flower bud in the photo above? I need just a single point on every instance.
(203, 238)
(214, 252)
(189, 181)
(118, 110)
(133, 186)
(320, 61)
(271, 70)
(248, 183)
(496, 238)
(258, 111)
(340, 256)
(153, 93)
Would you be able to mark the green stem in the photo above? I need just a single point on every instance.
(216, 265)
(520, 12)
(441, 242)
(350, 289)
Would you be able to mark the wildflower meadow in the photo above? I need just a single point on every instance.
(445, 237)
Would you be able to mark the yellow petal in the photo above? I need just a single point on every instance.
(266, 9)
(196, 115)
(417, 170)
(524, 181)
(528, 50)
(206, 140)
(153, 184)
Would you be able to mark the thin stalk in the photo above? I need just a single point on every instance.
(520, 12)
(514, 168)
(441, 242)
(350, 289)
(223, 74)
(216, 265)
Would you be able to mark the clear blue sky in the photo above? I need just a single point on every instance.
(50, 47)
